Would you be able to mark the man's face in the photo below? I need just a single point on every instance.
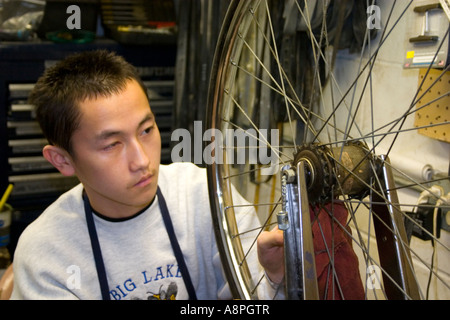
(117, 151)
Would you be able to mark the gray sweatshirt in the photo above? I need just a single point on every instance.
(54, 258)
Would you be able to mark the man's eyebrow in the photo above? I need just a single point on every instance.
(149, 117)
(104, 135)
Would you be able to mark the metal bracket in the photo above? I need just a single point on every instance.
(300, 270)
(399, 277)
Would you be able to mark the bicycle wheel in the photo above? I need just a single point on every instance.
(311, 83)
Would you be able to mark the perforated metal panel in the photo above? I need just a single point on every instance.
(433, 106)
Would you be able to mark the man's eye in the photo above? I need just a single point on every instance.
(147, 130)
(110, 146)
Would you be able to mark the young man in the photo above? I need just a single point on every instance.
(111, 237)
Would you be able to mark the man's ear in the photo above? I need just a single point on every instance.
(60, 159)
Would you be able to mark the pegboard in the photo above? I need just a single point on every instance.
(434, 106)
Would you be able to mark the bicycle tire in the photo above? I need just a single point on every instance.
(233, 44)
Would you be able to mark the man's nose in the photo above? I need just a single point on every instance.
(138, 157)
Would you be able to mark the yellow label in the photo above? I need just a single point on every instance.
(410, 54)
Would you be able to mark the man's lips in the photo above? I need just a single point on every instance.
(144, 181)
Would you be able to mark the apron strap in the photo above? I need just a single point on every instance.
(101, 272)
(175, 246)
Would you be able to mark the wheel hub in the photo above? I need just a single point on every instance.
(334, 171)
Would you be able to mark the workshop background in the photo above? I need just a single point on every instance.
(174, 58)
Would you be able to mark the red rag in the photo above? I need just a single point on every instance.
(344, 282)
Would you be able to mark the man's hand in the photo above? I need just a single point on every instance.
(271, 254)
